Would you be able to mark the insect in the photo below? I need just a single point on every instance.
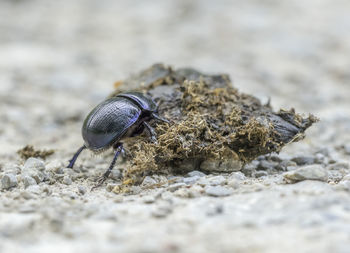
(125, 115)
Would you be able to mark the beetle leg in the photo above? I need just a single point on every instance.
(150, 131)
(157, 117)
(103, 178)
(74, 158)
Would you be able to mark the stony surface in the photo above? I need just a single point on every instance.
(59, 59)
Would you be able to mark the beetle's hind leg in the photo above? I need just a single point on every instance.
(74, 158)
(118, 149)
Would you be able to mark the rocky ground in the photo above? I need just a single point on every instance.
(59, 59)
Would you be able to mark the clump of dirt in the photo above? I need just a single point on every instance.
(29, 151)
(210, 120)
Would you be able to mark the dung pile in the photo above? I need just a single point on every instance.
(29, 151)
(213, 126)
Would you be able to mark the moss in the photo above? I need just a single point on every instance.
(210, 119)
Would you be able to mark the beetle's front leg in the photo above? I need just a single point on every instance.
(157, 117)
(74, 158)
(151, 132)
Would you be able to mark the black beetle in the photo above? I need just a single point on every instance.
(125, 115)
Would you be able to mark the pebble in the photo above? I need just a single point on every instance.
(183, 193)
(346, 177)
(347, 149)
(335, 175)
(285, 164)
(213, 165)
(237, 175)
(54, 166)
(218, 191)
(266, 165)
(115, 174)
(148, 199)
(249, 168)
(34, 168)
(191, 180)
(196, 173)
(275, 158)
(213, 210)
(135, 189)
(213, 181)
(47, 190)
(310, 172)
(344, 185)
(174, 187)
(34, 163)
(28, 180)
(148, 181)
(12, 169)
(81, 189)
(303, 160)
(339, 166)
(8, 180)
(27, 195)
(233, 183)
(110, 186)
(196, 191)
(118, 199)
(166, 195)
(161, 211)
(67, 180)
(320, 158)
(175, 179)
(35, 189)
(260, 173)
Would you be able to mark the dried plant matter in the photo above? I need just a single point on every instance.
(210, 120)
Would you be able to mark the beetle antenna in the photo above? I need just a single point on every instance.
(74, 158)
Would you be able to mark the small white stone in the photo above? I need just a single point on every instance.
(148, 181)
(176, 186)
(233, 183)
(54, 166)
(148, 199)
(191, 180)
(27, 181)
(8, 181)
(81, 189)
(309, 172)
(67, 180)
(196, 173)
(34, 163)
(218, 191)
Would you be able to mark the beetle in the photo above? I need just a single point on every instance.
(124, 115)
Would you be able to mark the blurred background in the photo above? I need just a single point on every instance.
(60, 58)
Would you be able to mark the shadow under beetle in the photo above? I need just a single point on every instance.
(125, 115)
